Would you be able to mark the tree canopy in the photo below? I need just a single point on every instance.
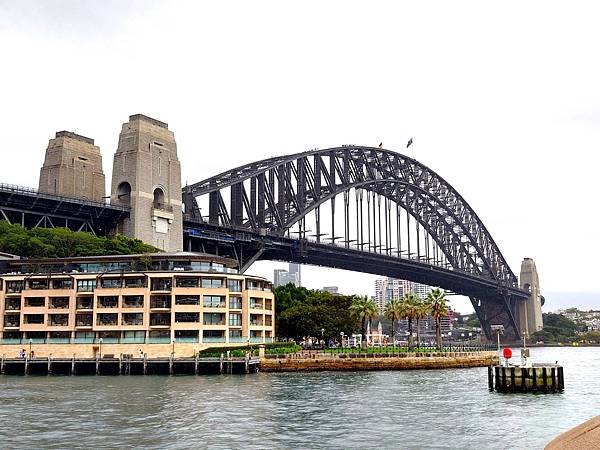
(302, 312)
(557, 328)
(64, 243)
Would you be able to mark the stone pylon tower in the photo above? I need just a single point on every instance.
(147, 178)
(73, 168)
(530, 311)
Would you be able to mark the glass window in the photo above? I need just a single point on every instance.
(59, 302)
(252, 285)
(186, 282)
(214, 301)
(256, 303)
(234, 285)
(35, 302)
(235, 320)
(235, 302)
(187, 299)
(133, 319)
(38, 284)
(133, 301)
(110, 301)
(58, 320)
(160, 301)
(107, 319)
(139, 282)
(36, 319)
(108, 283)
(83, 320)
(84, 303)
(187, 317)
(235, 333)
(212, 283)
(214, 319)
(161, 284)
(62, 284)
(14, 287)
(86, 285)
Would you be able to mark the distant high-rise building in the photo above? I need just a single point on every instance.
(295, 269)
(281, 277)
(387, 289)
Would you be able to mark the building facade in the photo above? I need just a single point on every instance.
(158, 298)
(281, 277)
(387, 289)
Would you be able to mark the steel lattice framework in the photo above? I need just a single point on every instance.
(391, 205)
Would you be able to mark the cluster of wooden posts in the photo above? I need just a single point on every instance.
(546, 378)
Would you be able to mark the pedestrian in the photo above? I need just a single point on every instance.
(32, 354)
(22, 353)
(141, 353)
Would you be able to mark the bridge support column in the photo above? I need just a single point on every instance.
(529, 312)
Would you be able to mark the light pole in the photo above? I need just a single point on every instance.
(322, 339)
(30, 342)
(342, 337)
(172, 348)
(100, 349)
(470, 337)
(450, 339)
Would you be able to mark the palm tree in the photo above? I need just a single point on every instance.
(437, 303)
(364, 309)
(393, 311)
(422, 308)
(409, 309)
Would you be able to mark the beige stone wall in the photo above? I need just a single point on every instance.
(146, 159)
(73, 168)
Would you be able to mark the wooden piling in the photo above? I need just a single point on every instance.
(49, 365)
(561, 379)
(545, 379)
(497, 373)
(503, 378)
(523, 379)
(73, 365)
(553, 378)
(512, 379)
(534, 380)
(490, 378)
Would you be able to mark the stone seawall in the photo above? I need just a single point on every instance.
(452, 361)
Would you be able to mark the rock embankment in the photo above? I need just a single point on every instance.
(316, 364)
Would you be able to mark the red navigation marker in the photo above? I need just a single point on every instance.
(507, 353)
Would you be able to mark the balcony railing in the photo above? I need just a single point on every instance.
(84, 305)
(210, 340)
(165, 304)
(83, 323)
(133, 322)
(13, 306)
(11, 324)
(160, 322)
(59, 323)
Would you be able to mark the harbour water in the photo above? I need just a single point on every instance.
(402, 409)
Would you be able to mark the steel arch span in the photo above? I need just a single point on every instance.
(358, 208)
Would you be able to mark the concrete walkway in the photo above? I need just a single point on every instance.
(583, 437)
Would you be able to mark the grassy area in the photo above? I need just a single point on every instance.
(277, 348)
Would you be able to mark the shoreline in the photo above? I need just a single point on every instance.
(453, 360)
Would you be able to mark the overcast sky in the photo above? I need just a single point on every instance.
(503, 100)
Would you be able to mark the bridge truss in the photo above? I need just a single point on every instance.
(360, 208)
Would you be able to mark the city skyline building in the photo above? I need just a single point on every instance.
(388, 288)
(281, 277)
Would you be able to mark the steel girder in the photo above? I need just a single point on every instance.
(276, 193)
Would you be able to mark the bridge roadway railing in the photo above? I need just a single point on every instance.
(32, 192)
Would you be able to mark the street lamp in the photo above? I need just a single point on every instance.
(173, 348)
(342, 338)
(30, 342)
(450, 339)
(322, 339)
(470, 337)
(100, 350)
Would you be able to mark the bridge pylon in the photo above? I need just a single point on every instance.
(529, 315)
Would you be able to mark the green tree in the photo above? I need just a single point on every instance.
(364, 309)
(64, 243)
(410, 306)
(557, 328)
(436, 300)
(393, 311)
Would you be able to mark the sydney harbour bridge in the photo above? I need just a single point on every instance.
(357, 208)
